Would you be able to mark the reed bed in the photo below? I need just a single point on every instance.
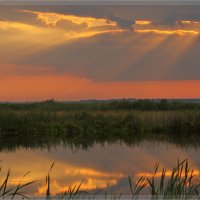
(99, 123)
(82, 124)
(79, 121)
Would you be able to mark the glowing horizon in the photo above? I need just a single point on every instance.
(62, 88)
(103, 54)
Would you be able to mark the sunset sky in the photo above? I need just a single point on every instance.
(99, 52)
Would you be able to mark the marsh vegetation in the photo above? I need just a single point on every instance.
(81, 125)
(85, 123)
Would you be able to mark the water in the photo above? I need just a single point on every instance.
(101, 166)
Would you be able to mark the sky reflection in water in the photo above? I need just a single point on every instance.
(99, 167)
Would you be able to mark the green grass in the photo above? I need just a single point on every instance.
(83, 124)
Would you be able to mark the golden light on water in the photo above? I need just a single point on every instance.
(98, 167)
(91, 172)
(88, 184)
(168, 173)
(90, 179)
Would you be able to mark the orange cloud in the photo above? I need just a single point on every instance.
(180, 32)
(8, 25)
(189, 22)
(167, 174)
(88, 184)
(75, 35)
(90, 179)
(91, 172)
(142, 22)
(54, 18)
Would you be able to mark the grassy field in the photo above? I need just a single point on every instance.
(82, 124)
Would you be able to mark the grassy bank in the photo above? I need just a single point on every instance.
(87, 123)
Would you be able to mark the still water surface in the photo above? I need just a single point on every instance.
(101, 166)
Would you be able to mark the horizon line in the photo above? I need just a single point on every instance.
(114, 99)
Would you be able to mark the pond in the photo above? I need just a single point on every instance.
(102, 166)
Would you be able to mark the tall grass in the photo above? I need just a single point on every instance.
(83, 128)
(13, 192)
(181, 184)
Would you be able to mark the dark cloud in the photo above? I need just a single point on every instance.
(116, 57)
(169, 21)
(12, 13)
(122, 23)
(124, 16)
(94, 11)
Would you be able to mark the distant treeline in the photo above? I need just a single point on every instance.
(143, 105)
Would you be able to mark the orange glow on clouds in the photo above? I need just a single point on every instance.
(26, 39)
(54, 18)
(142, 22)
(180, 32)
(75, 35)
(6, 25)
(49, 18)
(91, 173)
(167, 174)
(89, 184)
(91, 179)
(61, 87)
(189, 22)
